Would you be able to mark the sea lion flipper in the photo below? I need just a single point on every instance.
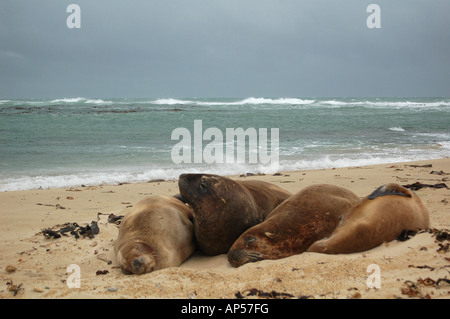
(180, 198)
(390, 189)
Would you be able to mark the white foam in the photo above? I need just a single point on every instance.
(385, 104)
(336, 103)
(69, 100)
(326, 162)
(81, 99)
(445, 145)
(247, 101)
(409, 104)
(397, 129)
(171, 101)
(289, 101)
(132, 175)
(98, 101)
(445, 136)
(141, 175)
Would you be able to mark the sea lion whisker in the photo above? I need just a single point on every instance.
(254, 256)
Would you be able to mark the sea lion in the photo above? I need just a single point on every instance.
(225, 208)
(378, 218)
(267, 196)
(294, 225)
(156, 233)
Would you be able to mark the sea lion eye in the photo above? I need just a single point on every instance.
(249, 239)
(203, 187)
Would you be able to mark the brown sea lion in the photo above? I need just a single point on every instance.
(380, 217)
(156, 233)
(267, 196)
(294, 225)
(225, 208)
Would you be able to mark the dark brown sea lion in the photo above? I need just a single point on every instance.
(156, 233)
(380, 217)
(311, 214)
(267, 196)
(225, 208)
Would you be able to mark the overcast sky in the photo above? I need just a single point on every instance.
(224, 48)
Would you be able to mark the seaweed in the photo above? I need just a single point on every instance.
(439, 173)
(442, 235)
(73, 229)
(442, 280)
(406, 234)
(15, 289)
(428, 267)
(418, 185)
(259, 293)
(113, 219)
(416, 166)
(50, 233)
(443, 248)
(413, 289)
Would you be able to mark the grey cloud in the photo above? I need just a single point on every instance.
(223, 48)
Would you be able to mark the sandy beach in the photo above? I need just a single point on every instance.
(33, 266)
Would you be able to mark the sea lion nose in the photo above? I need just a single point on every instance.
(138, 264)
(236, 257)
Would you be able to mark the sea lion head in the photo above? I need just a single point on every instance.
(136, 258)
(194, 188)
(223, 210)
(253, 246)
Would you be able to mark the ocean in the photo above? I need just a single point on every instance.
(69, 142)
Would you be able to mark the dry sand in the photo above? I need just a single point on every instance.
(37, 267)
